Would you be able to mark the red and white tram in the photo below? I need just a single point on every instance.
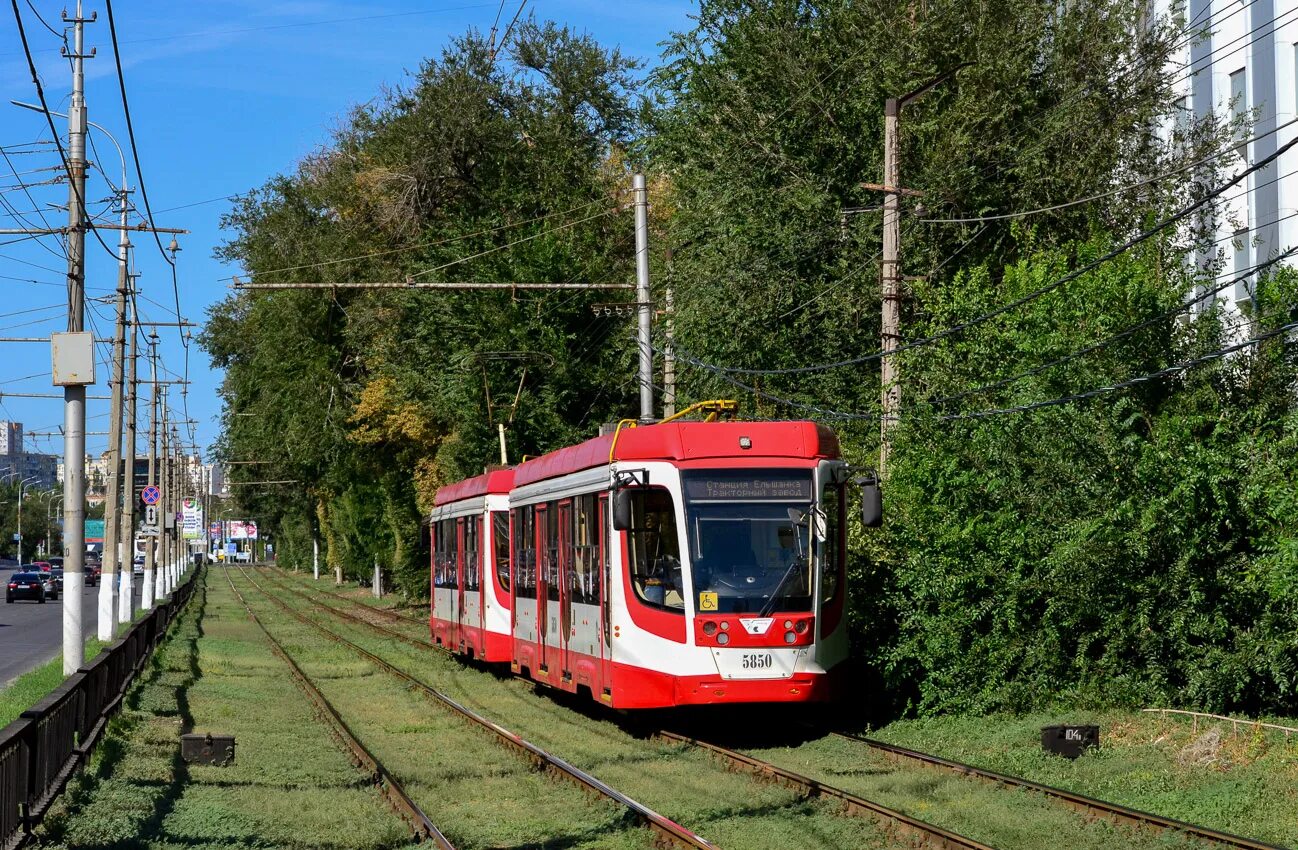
(470, 577)
(663, 565)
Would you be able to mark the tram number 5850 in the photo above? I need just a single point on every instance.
(757, 660)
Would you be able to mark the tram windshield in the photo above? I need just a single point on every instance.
(748, 553)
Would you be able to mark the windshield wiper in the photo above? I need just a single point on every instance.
(775, 594)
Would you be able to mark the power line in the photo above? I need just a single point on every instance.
(432, 244)
(1110, 193)
(1185, 306)
(1174, 369)
(139, 172)
(1018, 302)
(49, 119)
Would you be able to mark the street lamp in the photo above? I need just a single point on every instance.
(21, 486)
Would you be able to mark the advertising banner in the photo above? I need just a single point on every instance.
(191, 513)
(94, 531)
(240, 530)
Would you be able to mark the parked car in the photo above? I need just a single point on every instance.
(30, 585)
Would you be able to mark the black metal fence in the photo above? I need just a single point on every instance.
(41, 750)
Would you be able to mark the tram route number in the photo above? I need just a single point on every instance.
(757, 661)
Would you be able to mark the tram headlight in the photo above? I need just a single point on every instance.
(723, 638)
(801, 627)
(788, 624)
(790, 637)
(725, 627)
(709, 628)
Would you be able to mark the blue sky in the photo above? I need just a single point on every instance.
(223, 94)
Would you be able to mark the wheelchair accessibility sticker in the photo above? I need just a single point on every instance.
(707, 601)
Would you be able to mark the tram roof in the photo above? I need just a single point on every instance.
(685, 441)
(496, 481)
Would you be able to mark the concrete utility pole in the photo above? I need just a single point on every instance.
(127, 533)
(151, 544)
(890, 271)
(669, 357)
(890, 265)
(166, 511)
(643, 308)
(315, 557)
(74, 396)
(114, 503)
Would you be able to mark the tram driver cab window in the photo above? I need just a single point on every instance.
(654, 550)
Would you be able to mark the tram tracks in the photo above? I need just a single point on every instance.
(895, 825)
(1087, 807)
(666, 830)
(389, 786)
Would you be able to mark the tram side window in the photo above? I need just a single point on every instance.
(552, 552)
(525, 552)
(472, 554)
(500, 545)
(654, 550)
(831, 552)
(583, 578)
(444, 556)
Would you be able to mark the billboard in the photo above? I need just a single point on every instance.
(191, 519)
(94, 531)
(241, 530)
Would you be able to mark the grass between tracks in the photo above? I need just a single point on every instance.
(290, 786)
(1241, 781)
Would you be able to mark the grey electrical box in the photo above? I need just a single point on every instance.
(1069, 741)
(72, 358)
(207, 749)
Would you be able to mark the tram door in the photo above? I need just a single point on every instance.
(554, 618)
(583, 582)
(457, 588)
(470, 613)
(546, 560)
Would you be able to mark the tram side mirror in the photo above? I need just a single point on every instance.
(622, 510)
(871, 501)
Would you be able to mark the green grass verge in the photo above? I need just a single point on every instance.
(26, 690)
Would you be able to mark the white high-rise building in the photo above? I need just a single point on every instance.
(1246, 63)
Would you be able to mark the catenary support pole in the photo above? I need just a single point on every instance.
(644, 309)
(125, 598)
(151, 542)
(890, 279)
(669, 356)
(113, 504)
(167, 512)
(74, 397)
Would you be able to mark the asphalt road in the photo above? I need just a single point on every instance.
(31, 633)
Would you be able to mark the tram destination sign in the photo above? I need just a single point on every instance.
(746, 485)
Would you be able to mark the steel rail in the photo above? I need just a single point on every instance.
(889, 820)
(1084, 804)
(388, 784)
(665, 827)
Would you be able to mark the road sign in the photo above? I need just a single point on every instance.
(150, 495)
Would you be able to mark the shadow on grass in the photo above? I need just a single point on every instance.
(181, 645)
